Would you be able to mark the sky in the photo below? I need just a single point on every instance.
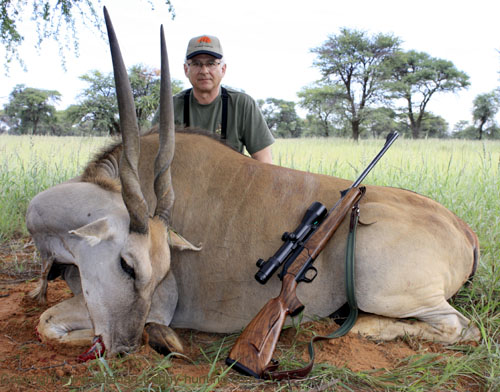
(267, 43)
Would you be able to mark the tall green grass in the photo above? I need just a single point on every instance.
(30, 164)
(462, 175)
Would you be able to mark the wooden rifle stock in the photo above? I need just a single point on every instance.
(252, 353)
(253, 350)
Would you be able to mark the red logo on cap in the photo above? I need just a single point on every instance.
(204, 39)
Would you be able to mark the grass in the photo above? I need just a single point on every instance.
(462, 175)
(28, 165)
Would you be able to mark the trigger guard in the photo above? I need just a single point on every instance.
(309, 280)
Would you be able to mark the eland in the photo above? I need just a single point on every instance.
(108, 233)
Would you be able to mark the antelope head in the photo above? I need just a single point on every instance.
(126, 253)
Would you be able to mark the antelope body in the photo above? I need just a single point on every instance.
(115, 257)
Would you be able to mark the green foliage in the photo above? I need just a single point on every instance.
(98, 109)
(463, 130)
(57, 20)
(431, 126)
(281, 117)
(97, 112)
(324, 103)
(49, 19)
(29, 110)
(145, 83)
(485, 107)
(416, 77)
(357, 63)
(381, 121)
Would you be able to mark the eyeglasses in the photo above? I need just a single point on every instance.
(198, 65)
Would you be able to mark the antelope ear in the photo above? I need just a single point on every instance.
(176, 241)
(94, 232)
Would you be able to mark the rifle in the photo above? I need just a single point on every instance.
(252, 352)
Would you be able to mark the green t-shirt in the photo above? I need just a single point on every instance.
(246, 126)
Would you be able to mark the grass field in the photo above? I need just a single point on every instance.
(462, 175)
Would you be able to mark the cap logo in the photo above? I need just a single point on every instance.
(205, 39)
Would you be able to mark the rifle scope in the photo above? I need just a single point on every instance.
(313, 216)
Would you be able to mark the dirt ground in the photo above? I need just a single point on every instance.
(27, 364)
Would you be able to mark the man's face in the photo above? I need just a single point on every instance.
(205, 72)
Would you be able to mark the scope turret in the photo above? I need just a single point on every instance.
(313, 216)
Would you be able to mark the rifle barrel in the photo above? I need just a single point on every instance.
(391, 138)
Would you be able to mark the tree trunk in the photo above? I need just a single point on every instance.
(415, 131)
(481, 125)
(35, 126)
(415, 127)
(325, 126)
(355, 130)
(414, 124)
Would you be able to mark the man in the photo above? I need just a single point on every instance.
(207, 105)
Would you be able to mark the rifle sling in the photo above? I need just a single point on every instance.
(269, 373)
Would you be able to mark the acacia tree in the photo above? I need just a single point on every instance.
(357, 62)
(324, 102)
(485, 107)
(281, 117)
(58, 20)
(31, 110)
(416, 77)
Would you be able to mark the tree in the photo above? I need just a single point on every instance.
(281, 117)
(98, 108)
(4, 122)
(145, 83)
(58, 20)
(356, 62)
(416, 77)
(31, 110)
(485, 107)
(97, 111)
(434, 126)
(463, 130)
(381, 121)
(324, 102)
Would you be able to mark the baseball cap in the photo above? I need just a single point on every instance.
(204, 44)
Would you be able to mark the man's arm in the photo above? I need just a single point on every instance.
(263, 155)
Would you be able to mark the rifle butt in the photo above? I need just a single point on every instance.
(252, 352)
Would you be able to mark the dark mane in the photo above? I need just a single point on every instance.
(103, 170)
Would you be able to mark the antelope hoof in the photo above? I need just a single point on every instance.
(163, 339)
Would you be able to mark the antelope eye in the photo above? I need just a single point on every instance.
(127, 268)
